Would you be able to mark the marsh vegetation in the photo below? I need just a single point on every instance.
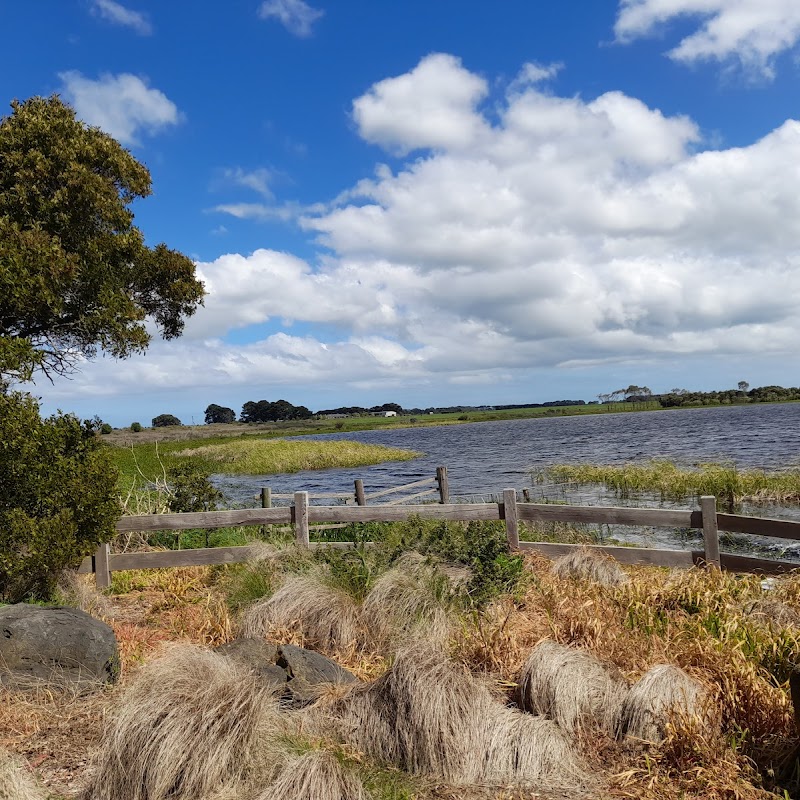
(482, 675)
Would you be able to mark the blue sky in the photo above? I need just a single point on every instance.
(443, 202)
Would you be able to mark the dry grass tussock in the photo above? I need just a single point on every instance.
(430, 716)
(317, 775)
(570, 686)
(327, 619)
(414, 598)
(16, 782)
(80, 591)
(665, 693)
(774, 613)
(190, 725)
(586, 564)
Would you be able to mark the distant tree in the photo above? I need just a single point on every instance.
(264, 411)
(165, 420)
(743, 386)
(219, 415)
(136, 427)
(105, 428)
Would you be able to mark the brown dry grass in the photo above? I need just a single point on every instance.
(16, 781)
(691, 620)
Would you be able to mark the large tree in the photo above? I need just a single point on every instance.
(75, 273)
(75, 277)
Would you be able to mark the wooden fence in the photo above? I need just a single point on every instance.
(301, 514)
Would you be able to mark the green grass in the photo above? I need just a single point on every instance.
(143, 463)
(247, 457)
(731, 486)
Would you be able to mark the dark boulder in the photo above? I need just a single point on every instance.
(301, 673)
(310, 672)
(259, 656)
(58, 646)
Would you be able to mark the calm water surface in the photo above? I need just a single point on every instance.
(484, 458)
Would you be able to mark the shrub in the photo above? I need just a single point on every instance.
(165, 420)
(57, 497)
(136, 427)
(105, 428)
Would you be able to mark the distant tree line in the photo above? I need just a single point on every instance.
(676, 398)
(761, 394)
(265, 411)
(359, 411)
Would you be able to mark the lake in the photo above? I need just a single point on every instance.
(484, 458)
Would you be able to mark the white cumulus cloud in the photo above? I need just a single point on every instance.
(122, 105)
(561, 233)
(297, 16)
(118, 14)
(431, 106)
(753, 32)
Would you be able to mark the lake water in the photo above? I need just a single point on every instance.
(484, 458)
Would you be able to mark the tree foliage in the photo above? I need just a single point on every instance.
(264, 411)
(57, 496)
(165, 421)
(75, 274)
(219, 415)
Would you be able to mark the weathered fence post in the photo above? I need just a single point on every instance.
(300, 514)
(266, 502)
(102, 573)
(511, 517)
(444, 486)
(708, 508)
(360, 498)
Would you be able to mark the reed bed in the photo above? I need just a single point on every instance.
(729, 484)
(261, 457)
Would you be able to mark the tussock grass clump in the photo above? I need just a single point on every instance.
(326, 618)
(189, 726)
(79, 591)
(415, 597)
(586, 564)
(570, 686)
(261, 457)
(430, 716)
(773, 613)
(663, 695)
(317, 775)
(16, 782)
(526, 750)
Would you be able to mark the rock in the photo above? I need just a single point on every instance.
(302, 673)
(309, 672)
(59, 646)
(260, 656)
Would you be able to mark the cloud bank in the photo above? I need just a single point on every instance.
(559, 233)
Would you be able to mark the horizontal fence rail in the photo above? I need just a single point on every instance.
(302, 515)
